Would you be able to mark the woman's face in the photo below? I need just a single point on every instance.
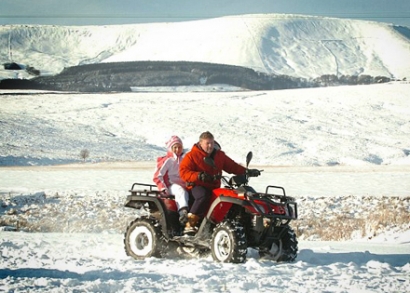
(177, 149)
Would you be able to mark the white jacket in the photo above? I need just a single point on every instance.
(167, 171)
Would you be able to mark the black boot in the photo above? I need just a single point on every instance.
(183, 216)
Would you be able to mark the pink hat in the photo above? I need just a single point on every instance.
(173, 140)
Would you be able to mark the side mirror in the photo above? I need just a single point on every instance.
(248, 158)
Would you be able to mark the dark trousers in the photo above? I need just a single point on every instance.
(202, 197)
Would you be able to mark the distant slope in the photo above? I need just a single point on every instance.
(294, 45)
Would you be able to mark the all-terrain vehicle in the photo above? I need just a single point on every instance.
(238, 218)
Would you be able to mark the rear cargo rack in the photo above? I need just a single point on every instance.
(149, 190)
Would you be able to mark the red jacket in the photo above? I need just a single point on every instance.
(193, 163)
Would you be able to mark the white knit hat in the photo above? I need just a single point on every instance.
(173, 140)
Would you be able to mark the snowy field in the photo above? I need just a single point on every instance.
(341, 150)
(86, 254)
(97, 263)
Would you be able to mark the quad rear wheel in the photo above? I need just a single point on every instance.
(229, 242)
(143, 238)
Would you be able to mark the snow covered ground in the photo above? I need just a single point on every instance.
(97, 263)
(340, 151)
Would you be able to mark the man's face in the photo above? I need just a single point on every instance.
(207, 145)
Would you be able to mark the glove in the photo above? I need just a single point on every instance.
(205, 177)
(253, 172)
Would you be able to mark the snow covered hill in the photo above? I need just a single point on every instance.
(346, 126)
(299, 46)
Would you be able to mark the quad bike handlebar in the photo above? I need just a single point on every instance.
(236, 180)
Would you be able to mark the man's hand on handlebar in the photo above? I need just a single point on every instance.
(253, 172)
(205, 177)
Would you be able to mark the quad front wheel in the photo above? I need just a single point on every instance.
(229, 242)
(284, 249)
(143, 239)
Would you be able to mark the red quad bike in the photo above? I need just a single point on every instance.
(238, 217)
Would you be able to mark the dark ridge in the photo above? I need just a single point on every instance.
(121, 76)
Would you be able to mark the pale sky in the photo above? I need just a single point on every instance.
(101, 12)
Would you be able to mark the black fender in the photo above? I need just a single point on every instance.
(156, 207)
